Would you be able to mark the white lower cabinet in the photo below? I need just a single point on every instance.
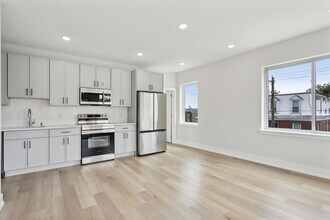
(57, 150)
(21, 152)
(34, 150)
(38, 152)
(125, 139)
(15, 155)
(64, 148)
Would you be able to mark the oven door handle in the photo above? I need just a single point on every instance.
(98, 131)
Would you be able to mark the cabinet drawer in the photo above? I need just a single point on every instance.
(15, 135)
(65, 132)
(128, 127)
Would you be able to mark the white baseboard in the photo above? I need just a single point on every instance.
(1, 201)
(299, 168)
(42, 168)
(126, 154)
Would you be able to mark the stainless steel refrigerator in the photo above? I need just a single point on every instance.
(151, 122)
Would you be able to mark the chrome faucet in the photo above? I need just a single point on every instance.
(30, 118)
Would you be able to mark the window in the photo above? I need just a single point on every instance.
(296, 125)
(303, 90)
(295, 106)
(189, 93)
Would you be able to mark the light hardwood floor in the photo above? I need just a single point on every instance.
(182, 183)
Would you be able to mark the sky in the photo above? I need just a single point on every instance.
(297, 78)
(191, 95)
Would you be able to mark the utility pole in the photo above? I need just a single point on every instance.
(273, 102)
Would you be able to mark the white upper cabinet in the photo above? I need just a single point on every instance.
(72, 84)
(39, 78)
(103, 77)
(147, 81)
(64, 83)
(156, 82)
(4, 80)
(87, 76)
(28, 77)
(57, 82)
(121, 88)
(94, 76)
(18, 76)
(142, 80)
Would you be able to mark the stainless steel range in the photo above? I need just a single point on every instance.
(97, 138)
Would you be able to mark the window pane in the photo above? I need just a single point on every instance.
(322, 93)
(191, 102)
(290, 104)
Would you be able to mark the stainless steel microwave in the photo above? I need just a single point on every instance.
(90, 96)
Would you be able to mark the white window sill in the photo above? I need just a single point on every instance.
(296, 133)
(187, 124)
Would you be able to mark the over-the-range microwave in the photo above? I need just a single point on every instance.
(90, 96)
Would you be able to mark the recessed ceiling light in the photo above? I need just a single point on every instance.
(231, 46)
(329, 10)
(181, 64)
(183, 26)
(140, 54)
(66, 38)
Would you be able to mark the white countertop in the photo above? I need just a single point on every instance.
(23, 128)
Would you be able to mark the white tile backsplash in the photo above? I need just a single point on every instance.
(16, 113)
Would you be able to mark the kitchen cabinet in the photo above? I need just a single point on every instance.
(22, 152)
(37, 152)
(64, 83)
(15, 155)
(148, 81)
(4, 85)
(39, 78)
(125, 139)
(121, 88)
(65, 145)
(95, 76)
(28, 77)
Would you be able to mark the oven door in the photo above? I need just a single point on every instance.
(97, 144)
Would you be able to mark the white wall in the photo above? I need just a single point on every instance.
(169, 80)
(230, 97)
(1, 195)
(15, 114)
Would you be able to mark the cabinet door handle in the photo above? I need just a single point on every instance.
(27, 92)
(152, 87)
(31, 92)
(123, 101)
(67, 140)
(63, 100)
(24, 145)
(30, 144)
(63, 141)
(67, 100)
(97, 84)
(124, 135)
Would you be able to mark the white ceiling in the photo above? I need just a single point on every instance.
(117, 30)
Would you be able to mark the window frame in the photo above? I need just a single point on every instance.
(293, 123)
(182, 103)
(265, 99)
(299, 107)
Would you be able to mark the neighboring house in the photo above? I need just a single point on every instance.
(191, 115)
(294, 111)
